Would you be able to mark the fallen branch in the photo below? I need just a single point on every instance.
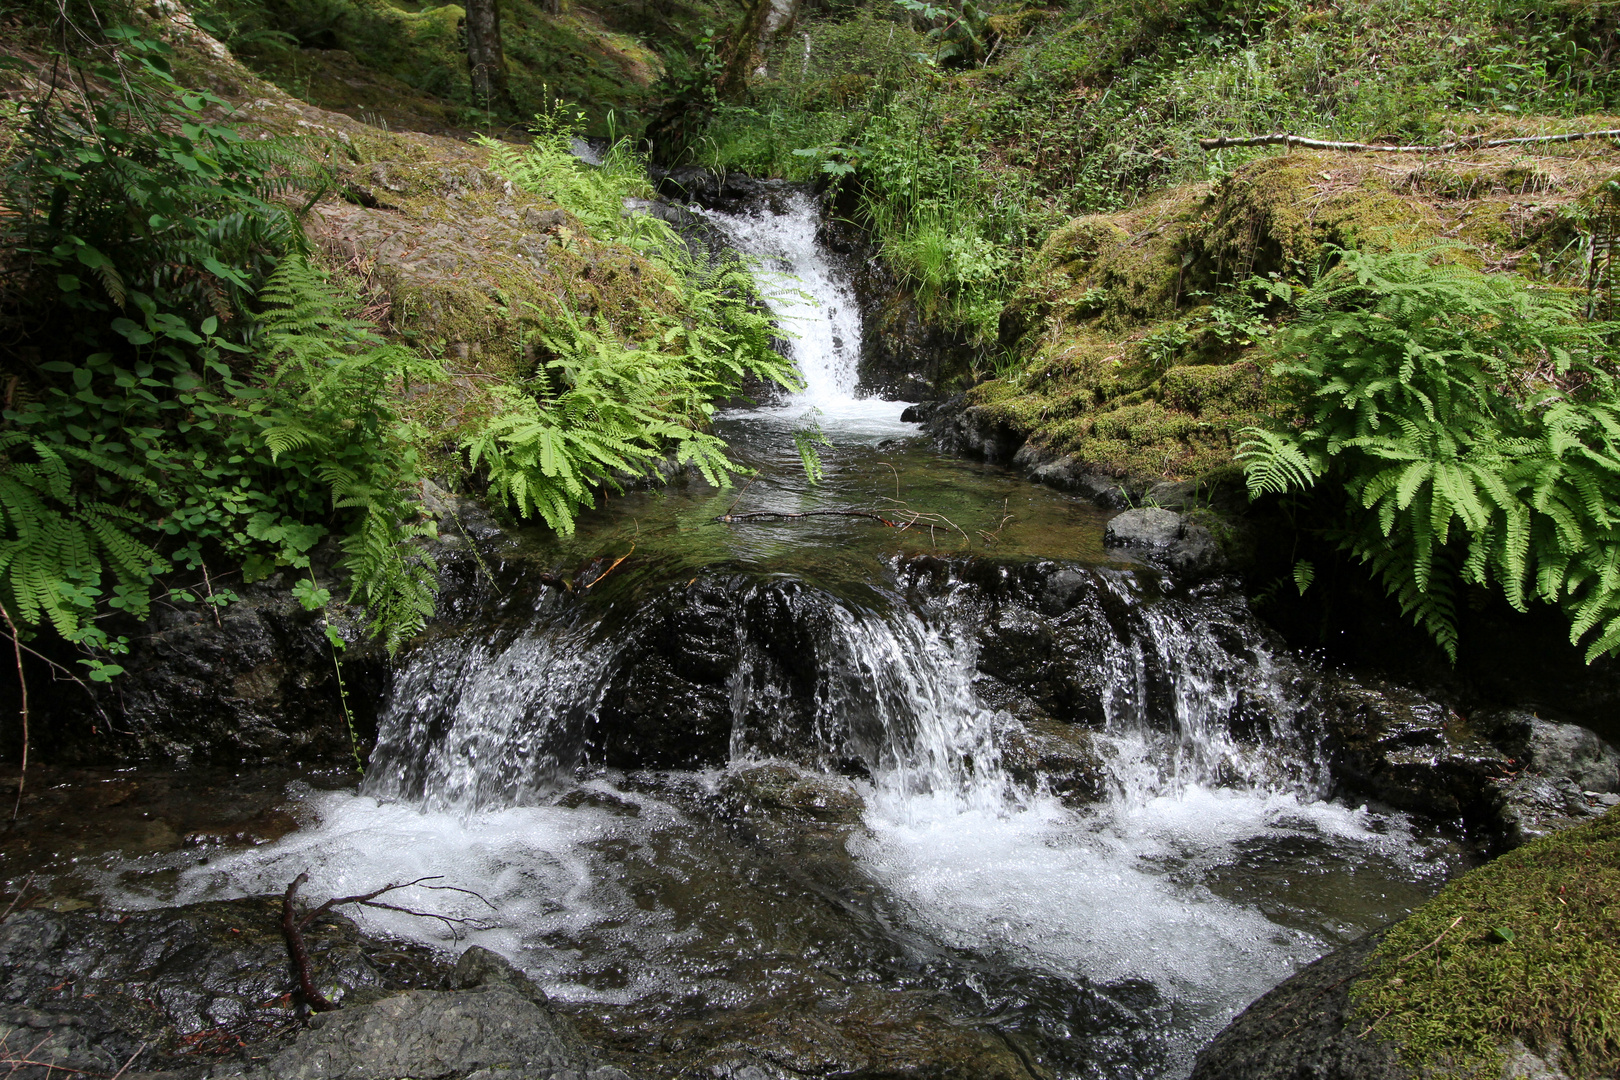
(292, 927)
(1466, 144)
(761, 515)
(614, 567)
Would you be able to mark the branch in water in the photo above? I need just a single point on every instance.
(761, 515)
(292, 927)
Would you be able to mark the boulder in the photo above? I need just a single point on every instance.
(1166, 538)
(487, 1032)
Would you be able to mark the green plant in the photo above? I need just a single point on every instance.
(1473, 424)
(154, 415)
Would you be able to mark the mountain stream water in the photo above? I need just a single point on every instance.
(835, 864)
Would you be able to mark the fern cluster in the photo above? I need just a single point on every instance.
(600, 411)
(181, 383)
(1473, 422)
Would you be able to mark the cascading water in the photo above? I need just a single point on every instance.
(1112, 936)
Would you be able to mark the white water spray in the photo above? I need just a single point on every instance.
(814, 303)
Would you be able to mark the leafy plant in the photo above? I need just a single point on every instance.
(1473, 425)
(601, 411)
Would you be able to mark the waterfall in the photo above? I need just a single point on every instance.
(527, 757)
(815, 306)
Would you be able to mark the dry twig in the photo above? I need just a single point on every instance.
(1465, 145)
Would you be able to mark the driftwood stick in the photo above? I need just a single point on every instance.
(292, 926)
(761, 515)
(1468, 144)
(293, 930)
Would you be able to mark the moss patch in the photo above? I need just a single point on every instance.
(1528, 949)
(1128, 346)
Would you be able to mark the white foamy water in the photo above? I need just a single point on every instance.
(812, 301)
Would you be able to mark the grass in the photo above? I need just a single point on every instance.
(1526, 947)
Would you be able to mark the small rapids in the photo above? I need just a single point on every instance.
(863, 839)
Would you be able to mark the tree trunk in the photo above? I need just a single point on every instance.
(486, 62)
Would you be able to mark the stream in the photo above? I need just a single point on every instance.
(820, 796)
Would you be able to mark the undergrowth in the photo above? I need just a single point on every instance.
(600, 409)
(1472, 424)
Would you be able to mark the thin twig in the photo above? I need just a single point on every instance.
(1431, 944)
(22, 891)
(130, 1062)
(1476, 143)
(743, 492)
(22, 683)
(615, 565)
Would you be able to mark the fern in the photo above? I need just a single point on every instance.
(600, 412)
(1475, 439)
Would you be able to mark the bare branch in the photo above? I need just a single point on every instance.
(1464, 145)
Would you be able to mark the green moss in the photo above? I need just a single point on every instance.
(1526, 947)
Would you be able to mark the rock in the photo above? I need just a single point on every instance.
(1554, 749)
(960, 428)
(1535, 805)
(1061, 756)
(1561, 774)
(1391, 744)
(489, 1031)
(1302, 1030)
(102, 984)
(1167, 538)
(478, 966)
(1306, 1029)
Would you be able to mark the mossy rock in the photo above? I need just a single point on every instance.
(1524, 949)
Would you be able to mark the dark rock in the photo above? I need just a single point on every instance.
(477, 966)
(1555, 749)
(1303, 1030)
(251, 683)
(970, 430)
(1166, 538)
(216, 974)
(486, 1032)
(1395, 746)
(1061, 756)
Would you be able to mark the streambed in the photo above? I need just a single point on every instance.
(821, 796)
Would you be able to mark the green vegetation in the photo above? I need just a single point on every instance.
(603, 407)
(1451, 405)
(154, 417)
(186, 387)
(405, 64)
(1522, 948)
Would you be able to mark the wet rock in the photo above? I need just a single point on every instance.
(1398, 747)
(1303, 1029)
(1166, 538)
(175, 988)
(1555, 749)
(477, 966)
(970, 430)
(487, 1032)
(1561, 774)
(831, 799)
(250, 683)
(1061, 757)
(206, 978)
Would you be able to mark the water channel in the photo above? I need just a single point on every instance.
(761, 798)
